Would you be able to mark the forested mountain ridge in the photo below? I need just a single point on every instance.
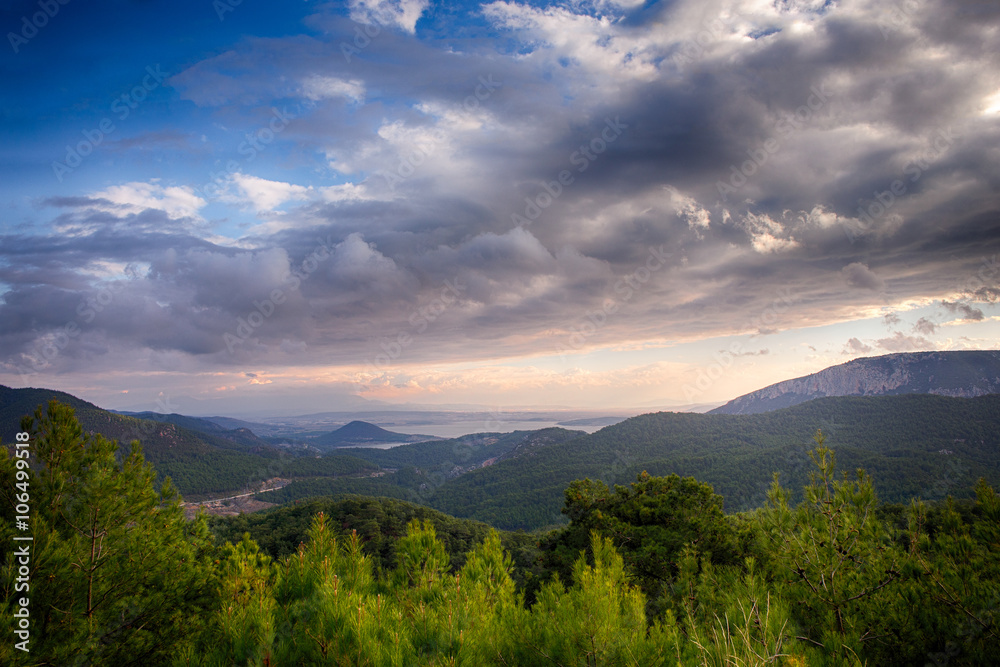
(650, 574)
(239, 435)
(198, 463)
(915, 445)
(414, 472)
(966, 373)
(467, 451)
(543, 438)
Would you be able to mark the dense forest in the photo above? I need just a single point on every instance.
(648, 573)
(914, 446)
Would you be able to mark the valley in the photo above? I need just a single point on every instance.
(917, 444)
(670, 501)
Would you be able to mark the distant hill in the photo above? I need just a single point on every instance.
(960, 373)
(259, 428)
(415, 471)
(241, 435)
(914, 445)
(198, 462)
(593, 421)
(467, 451)
(357, 433)
(530, 443)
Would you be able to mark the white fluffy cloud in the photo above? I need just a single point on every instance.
(402, 14)
(699, 87)
(268, 195)
(131, 198)
(598, 45)
(766, 234)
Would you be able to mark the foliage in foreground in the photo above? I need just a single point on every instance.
(649, 574)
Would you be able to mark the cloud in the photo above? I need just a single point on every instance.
(596, 44)
(750, 353)
(968, 312)
(134, 198)
(987, 294)
(318, 87)
(899, 342)
(696, 216)
(267, 195)
(476, 127)
(402, 14)
(859, 276)
(357, 264)
(855, 346)
(766, 235)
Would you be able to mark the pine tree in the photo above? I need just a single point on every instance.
(836, 558)
(118, 577)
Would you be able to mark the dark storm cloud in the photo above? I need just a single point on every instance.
(860, 276)
(777, 168)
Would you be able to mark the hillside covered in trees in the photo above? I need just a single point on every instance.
(648, 573)
(915, 446)
(200, 457)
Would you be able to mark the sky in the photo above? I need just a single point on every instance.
(590, 204)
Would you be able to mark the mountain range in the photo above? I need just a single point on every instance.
(953, 373)
(201, 457)
(924, 424)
